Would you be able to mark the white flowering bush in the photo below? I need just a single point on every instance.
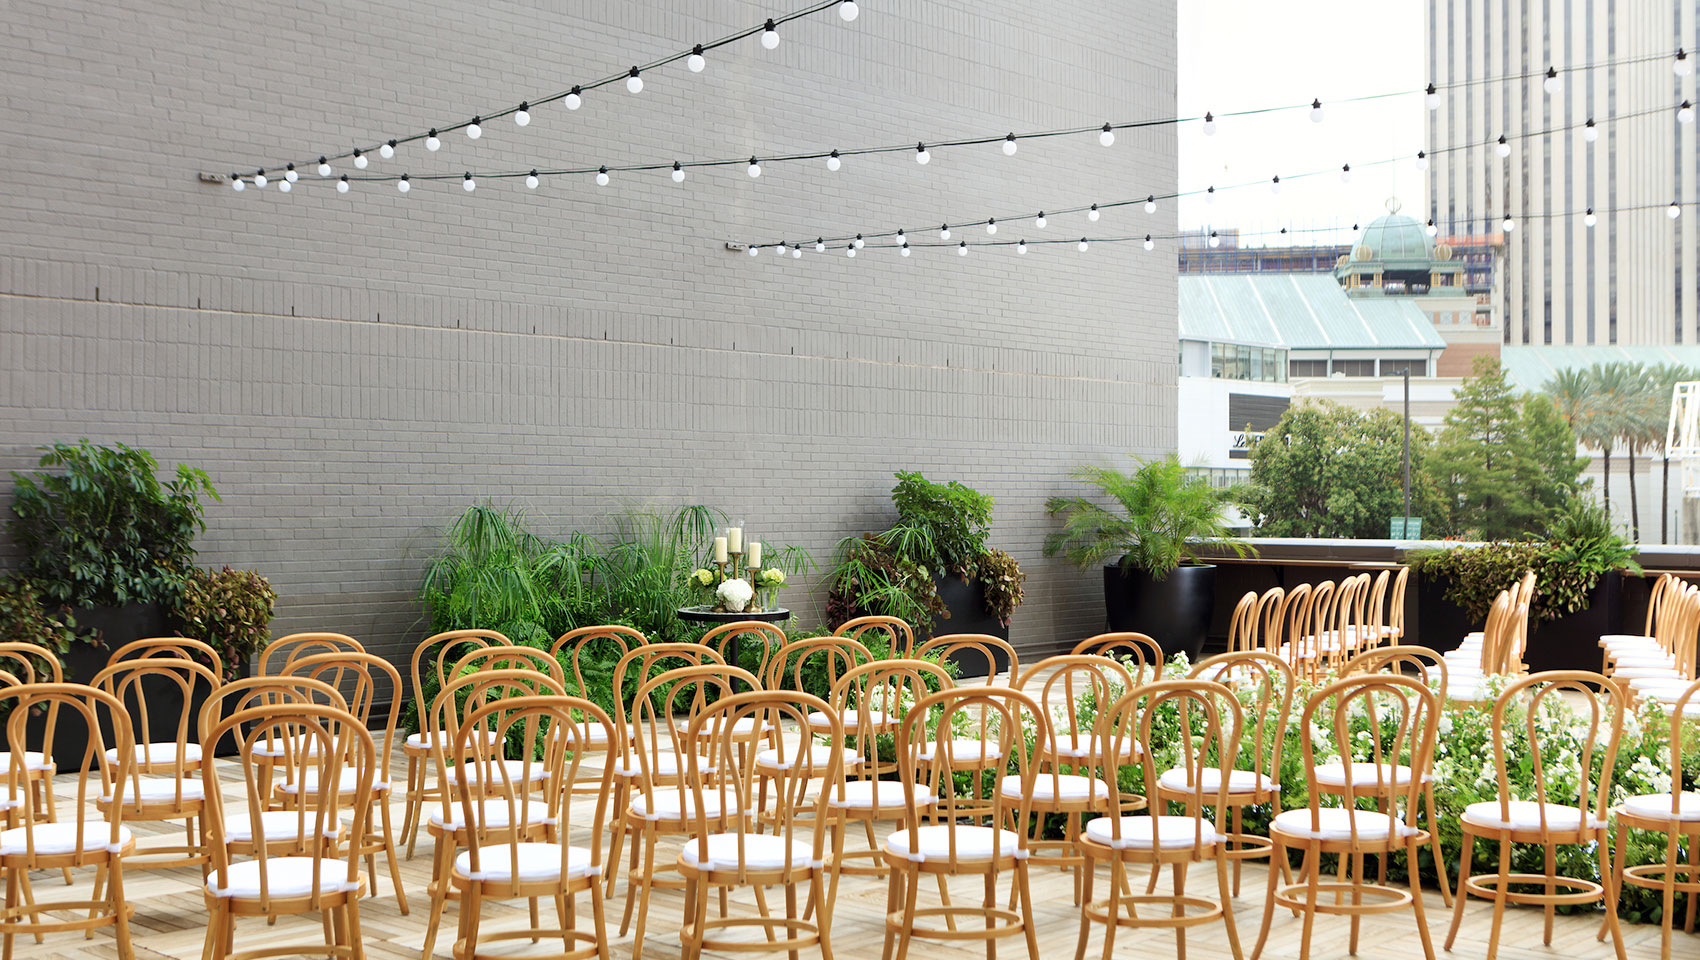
(735, 595)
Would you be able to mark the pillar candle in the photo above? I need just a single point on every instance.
(719, 549)
(735, 539)
(755, 554)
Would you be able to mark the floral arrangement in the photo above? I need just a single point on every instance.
(705, 581)
(734, 596)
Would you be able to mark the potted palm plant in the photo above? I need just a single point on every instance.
(1158, 518)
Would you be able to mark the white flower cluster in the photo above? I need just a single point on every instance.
(735, 594)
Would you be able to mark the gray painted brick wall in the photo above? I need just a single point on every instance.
(354, 370)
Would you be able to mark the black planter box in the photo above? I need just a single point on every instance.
(1174, 611)
(968, 614)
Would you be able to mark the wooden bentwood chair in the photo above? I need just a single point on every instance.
(1676, 816)
(444, 650)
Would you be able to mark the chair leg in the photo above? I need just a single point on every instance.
(1227, 901)
(616, 835)
(1313, 877)
(442, 862)
(1444, 884)
(472, 908)
(911, 885)
(893, 896)
(389, 854)
(599, 922)
(1611, 915)
(356, 940)
(1118, 880)
(1417, 898)
(823, 910)
(1090, 875)
(1180, 870)
(642, 893)
(120, 911)
(1023, 880)
(1277, 854)
(1614, 887)
(1466, 853)
(1499, 896)
(690, 935)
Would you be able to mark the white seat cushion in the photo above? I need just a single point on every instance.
(860, 795)
(1626, 640)
(1646, 660)
(590, 734)
(494, 813)
(669, 803)
(273, 747)
(1049, 787)
(818, 757)
(1658, 806)
(157, 790)
(972, 843)
(852, 719)
(1334, 823)
(61, 837)
(346, 781)
(1210, 780)
(537, 861)
(516, 772)
(761, 852)
(663, 764)
(1087, 746)
(742, 727)
(1639, 673)
(159, 753)
(416, 741)
(278, 825)
(962, 750)
(1526, 815)
(1180, 833)
(1364, 775)
(33, 762)
(285, 877)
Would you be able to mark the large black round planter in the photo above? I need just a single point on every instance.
(1174, 611)
(968, 614)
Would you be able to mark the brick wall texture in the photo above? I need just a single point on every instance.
(354, 370)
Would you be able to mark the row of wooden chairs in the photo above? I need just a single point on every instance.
(1317, 627)
(1660, 662)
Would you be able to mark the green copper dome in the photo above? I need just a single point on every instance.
(1394, 237)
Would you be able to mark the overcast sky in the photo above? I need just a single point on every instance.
(1239, 54)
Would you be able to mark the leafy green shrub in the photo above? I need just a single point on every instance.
(1161, 513)
(106, 531)
(957, 519)
(23, 618)
(231, 610)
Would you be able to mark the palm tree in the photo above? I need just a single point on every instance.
(1665, 377)
(1635, 404)
(1596, 423)
(1572, 393)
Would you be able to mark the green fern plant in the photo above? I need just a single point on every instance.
(1160, 516)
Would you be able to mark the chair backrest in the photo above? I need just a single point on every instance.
(1495, 639)
(1561, 765)
(996, 715)
(1269, 608)
(366, 678)
(790, 777)
(895, 631)
(873, 699)
(88, 777)
(249, 693)
(1209, 718)
(820, 659)
(688, 693)
(1687, 704)
(162, 688)
(438, 652)
(495, 797)
(605, 643)
(275, 658)
(514, 657)
(1654, 597)
(990, 648)
(1063, 684)
(1429, 665)
(1684, 642)
(1243, 623)
(331, 741)
(1142, 654)
(170, 648)
(1396, 604)
(30, 663)
(641, 663)
(747, 637)
(1264, 682)
(1376, 611)
(1295, 614)
(1402, 717)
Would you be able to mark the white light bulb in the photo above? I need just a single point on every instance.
(1316, 111)
(850, 251)
(678, 172)
(769, 36)
(832, 161)
(1508, 224)
(1685, 113)
(1422, 160)
(1590, 132)
(1682, 65)
(387, 151)
(848, 11)
(1081, 246)
(755, 250)
(1093, 214)
(1106, 136)
(991, 226)
(260, 180)
(360, 160)
(522, 116)
(573, 100)
(324, 167)
(1503, 147)
(1040, 220)
(962, 251)
(473, 130)
(695, 63)
(1150, 204)
(859, 242)
(944, 232)
(754, 168)
(1674, 210)
(238, 184)
(531, 180)
(602, 177)
(1346, 173)
(634, 83)
(905, 250)
(1021, 247)
(342, 184)
(796, 251)
(1431, 97)
(284, 186)
(290, 174)
(1148, 244)
(1215, 241)
(820, 245)
(1275, 185)
(1588, 219)
(1009, 146)
(468, 184)
(1209, 124)
(1431, 228)
(432, 143)
(1553, 83)
(403, 184)
(922, 157)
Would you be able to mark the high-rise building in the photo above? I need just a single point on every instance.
(1633, 277)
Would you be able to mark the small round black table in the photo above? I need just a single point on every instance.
(703, 613)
